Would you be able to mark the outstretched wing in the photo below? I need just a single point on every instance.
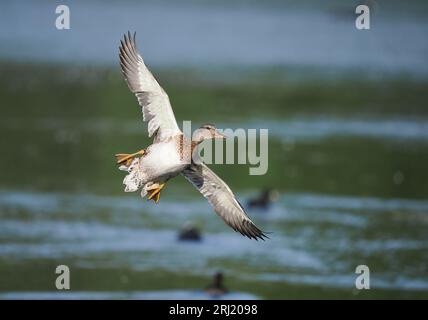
(157, 110)
(219, 195)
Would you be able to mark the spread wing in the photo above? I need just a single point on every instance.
(152, 98)
(219, 195)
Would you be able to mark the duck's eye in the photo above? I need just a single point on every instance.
(208, 126)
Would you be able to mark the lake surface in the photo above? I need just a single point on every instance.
(351, 192)
(216, 33)
(347, 154)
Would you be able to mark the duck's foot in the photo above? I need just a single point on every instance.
(155, 192)
(126, 159)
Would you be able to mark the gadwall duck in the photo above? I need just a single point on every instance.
(171, 153)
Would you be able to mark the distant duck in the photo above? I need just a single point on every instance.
(264, 199)
(217, 288)
(189, 232)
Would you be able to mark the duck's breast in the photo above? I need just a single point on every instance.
(162, 160)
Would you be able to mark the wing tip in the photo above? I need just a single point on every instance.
(129, 42)
(261, 236)
(251, 231)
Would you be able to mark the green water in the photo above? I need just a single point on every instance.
(347, 197)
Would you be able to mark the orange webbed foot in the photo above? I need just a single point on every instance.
(126, 158)
(155, 192)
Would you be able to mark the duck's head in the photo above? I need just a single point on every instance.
(207, 131)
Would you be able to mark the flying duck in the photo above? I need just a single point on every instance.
(172, 153)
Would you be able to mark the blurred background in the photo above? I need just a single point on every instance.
(348, 133)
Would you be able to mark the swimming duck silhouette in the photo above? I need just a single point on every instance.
(264, 199)
(217, 287)
(189, 232)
